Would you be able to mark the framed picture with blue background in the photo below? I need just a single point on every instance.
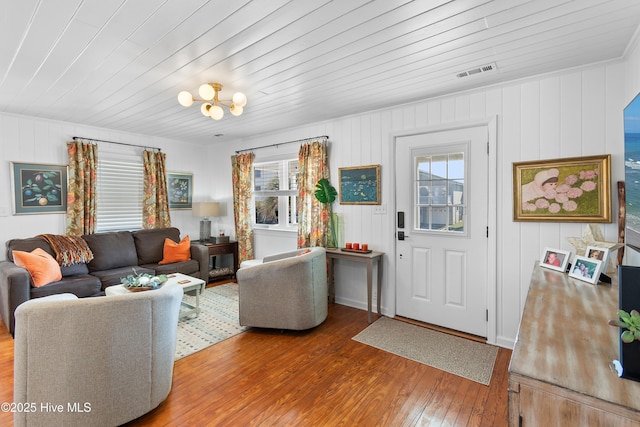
(39, 188)
(180, 189)
(360, 185)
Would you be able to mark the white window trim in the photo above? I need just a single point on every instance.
(281, 194)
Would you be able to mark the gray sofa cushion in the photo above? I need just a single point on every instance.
(111, 250)
(75, 270)
(150, 243)
(113, 276)
(82, 285)
(190, 268)
(27, 245)
(31, 243)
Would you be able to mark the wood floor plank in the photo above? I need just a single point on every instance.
(397, 379)
(496, 406)
(434, 413)
(467, 405)
(317, 377)
(455, 407)
(6, 373)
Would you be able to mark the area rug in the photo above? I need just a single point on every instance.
(459, 356)
(217, 321)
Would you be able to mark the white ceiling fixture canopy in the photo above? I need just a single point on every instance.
(211, 103)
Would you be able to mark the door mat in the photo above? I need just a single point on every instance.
(459, 356)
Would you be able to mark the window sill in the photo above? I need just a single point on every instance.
(272, 229)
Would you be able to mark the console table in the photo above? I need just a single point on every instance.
(369, 259)
(560, 372)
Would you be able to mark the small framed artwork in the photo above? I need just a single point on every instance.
(360, 185)
(555, 259)
(180, 189)
(587, 269)
(601, 254)
(39, 188)
(563, 190)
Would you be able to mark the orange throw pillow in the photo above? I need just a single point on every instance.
(306, 251)
(176, 252)
(42, 267)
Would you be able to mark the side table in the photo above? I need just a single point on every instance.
(230, 248)
(369, 259)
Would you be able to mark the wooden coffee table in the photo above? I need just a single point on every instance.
(188, 283)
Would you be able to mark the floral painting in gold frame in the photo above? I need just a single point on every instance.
(573, 189)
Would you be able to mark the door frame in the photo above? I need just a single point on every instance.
(492, 284)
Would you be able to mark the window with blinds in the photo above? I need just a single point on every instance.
(275, 194)
(120, 192)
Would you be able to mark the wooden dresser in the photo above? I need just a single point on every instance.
(561, 372)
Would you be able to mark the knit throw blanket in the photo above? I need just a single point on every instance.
(68, 249)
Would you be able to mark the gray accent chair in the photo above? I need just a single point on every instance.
(106, 360)
(284, 291)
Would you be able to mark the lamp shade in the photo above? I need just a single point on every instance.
(235, 110)
(185, 99)
(206, 209)
(206, 91)
(216, 112)
(239, 99)
(204, 109)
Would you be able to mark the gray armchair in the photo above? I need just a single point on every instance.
(285, 291)
(106, 360)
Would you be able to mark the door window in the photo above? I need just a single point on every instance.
(440, 191)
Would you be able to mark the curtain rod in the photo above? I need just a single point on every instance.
(282, 143)
(75, 138)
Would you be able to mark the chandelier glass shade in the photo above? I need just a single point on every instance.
(211, 103)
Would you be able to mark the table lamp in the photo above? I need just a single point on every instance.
(205, 210)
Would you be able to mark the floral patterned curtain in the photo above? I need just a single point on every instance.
(155, 205)
(81, 190)
(313, 216)
(242, 179)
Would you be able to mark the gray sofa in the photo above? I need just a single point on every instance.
(284, 291)
(116, 255)
(107, 360)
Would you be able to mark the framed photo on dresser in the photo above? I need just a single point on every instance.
(555, 259)
(586, 269)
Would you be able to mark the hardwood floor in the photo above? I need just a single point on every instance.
(316, 378)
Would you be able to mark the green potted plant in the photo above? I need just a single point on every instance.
(326, 194)
(629, 322)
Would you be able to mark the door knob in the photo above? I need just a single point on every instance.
(402, 236)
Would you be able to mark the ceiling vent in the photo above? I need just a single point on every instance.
(478, 70)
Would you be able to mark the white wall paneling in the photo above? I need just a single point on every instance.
(563, 114)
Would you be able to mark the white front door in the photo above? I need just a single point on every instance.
(441, 242)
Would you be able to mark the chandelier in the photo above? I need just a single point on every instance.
(212, 105)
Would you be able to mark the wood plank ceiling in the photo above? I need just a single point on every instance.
(119, 64)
